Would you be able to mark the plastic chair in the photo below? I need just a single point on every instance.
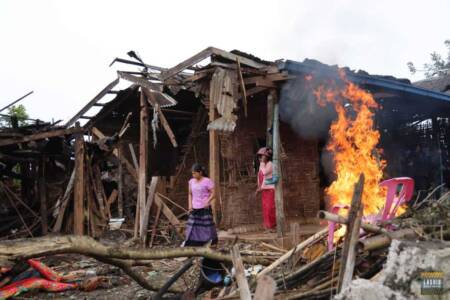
(393, 202)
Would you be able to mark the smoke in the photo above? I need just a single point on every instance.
(299, 108)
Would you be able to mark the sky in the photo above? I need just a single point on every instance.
(62, 49)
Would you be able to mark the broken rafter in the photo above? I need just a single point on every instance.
(205, 54)
(92, 102)
(41, 136)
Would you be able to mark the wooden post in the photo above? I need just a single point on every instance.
(43, 196)
(244, 290)
(351, 236)
(269, 129)
(279, 203)
(78, 220)
(143, 154)
(214, 169)
(120, 182)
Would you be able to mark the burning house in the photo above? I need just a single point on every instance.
(127, 160)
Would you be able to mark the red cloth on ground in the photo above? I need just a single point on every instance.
(26, 285)
(268, 204)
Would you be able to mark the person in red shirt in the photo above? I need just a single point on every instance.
(266, 188)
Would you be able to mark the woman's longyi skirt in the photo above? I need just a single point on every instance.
(200, 228)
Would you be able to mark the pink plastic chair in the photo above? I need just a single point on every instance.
(393, 202)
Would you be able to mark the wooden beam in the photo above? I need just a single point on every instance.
(120, 182)
(187, 63)
(279, 203)
(348, 256)
(167, 211)
(244, 60)
(78, 225)
(148, 206)
(143, 156)
(92, 102)
(43, 196)
(244, 290)
(63, 203)
(269, 129)
(269, 77)
(41, 136)
(241, 81)
(214, 160)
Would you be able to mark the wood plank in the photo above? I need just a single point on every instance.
(148, 206)
(155, 225)
(63, 203)
(244, 290)
(78, 225)
(41, 136)
(241, 81)
(187, 63)
(92, 102)
(244, 60)
(143, 156)
(268, 77)
(120, 183)
(133, 156)
(348, 256)
(167, 211)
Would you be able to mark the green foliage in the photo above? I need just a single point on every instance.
(16, 111)
(438, 65)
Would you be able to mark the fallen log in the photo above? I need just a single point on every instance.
(12, 251)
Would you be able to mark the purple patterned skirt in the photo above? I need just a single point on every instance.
(200, 228)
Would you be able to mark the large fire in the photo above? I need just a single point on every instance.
(353, 142)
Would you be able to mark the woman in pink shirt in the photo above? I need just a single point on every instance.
(200, 228)
(267, 190)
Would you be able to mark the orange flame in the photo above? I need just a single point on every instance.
(353, 141)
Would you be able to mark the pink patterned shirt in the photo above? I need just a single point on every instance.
(201, 191)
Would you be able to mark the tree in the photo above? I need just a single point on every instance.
(18, 112)
(438, 65)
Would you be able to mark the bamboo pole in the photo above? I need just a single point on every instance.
(324, 215)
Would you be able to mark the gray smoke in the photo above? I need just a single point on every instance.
(299, 108)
